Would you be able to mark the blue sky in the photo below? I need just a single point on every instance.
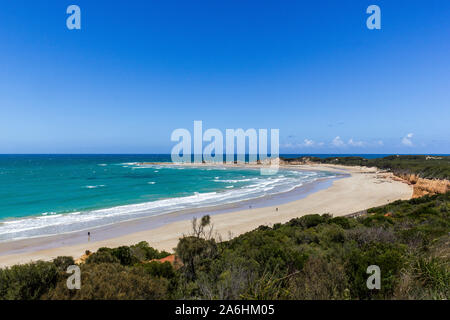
(137, 70)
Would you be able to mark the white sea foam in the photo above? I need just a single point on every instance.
(95, 187)
(236, 180)
(46, 213)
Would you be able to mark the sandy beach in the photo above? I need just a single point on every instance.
(361, 189)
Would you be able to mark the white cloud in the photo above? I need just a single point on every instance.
(337, 142)
(308, 143)
(355, 143)
(407, 140)
(287, 145)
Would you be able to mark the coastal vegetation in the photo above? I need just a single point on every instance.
(423, 166)
(311, 257)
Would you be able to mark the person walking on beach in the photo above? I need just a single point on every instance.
(89, 236)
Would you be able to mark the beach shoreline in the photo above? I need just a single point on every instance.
(121, 228)
(356, 189)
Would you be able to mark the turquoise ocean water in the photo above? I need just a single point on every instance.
(53, 194)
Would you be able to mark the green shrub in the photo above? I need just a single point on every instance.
(28, 281)
(388, 257)
(103, 255)
(143, 251)
(159, 270)
(308, 221)
(125, 255)
(62, 263)
(319, 280)
(195, 253)
(343, 222)
(434, 274)
(112, 282)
